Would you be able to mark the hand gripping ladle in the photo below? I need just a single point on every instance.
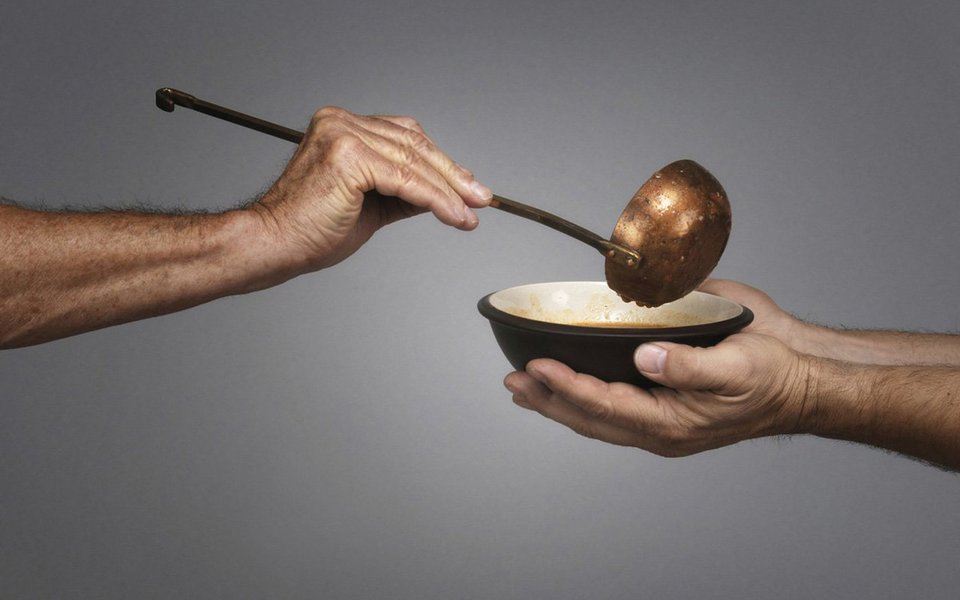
(668, 238)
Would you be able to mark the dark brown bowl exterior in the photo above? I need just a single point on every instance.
(602, 352)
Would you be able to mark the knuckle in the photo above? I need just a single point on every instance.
(345, 147)
(668, 451)
(674, 435)
(586, 429)
(406, 176)
(683, 362)
(410, 123)
(415, 140)
(674, 438)
(408, 156)
(670, 446)
(601, 410)
(330, 112)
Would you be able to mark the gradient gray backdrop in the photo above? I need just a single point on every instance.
(347, 435)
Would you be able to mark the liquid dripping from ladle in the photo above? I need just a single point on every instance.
(667, 240)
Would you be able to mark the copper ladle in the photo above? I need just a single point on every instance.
(679, 222)
(675, 227)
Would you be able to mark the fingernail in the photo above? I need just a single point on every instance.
(472, 219)
(481, 191)
(650, 358)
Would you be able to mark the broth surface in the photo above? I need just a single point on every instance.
(621, 325)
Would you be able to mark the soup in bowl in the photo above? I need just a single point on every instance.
(586, 325)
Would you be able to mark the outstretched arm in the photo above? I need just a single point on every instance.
(751, 386)
(66, 273)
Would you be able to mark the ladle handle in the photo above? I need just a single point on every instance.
(616, 252)
(168, 98)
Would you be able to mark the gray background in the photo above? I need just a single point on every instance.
(346, 435)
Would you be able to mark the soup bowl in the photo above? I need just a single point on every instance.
(586, 325)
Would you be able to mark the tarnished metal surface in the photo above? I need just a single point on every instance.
(679, 223)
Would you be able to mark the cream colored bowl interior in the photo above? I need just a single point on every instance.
(587, 303)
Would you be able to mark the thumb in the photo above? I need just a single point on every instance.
(681, 367)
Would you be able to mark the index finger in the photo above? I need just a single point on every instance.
(407, 132)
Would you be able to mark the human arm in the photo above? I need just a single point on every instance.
(749, 386)
(64, 273)
(913, 410)
(860, 346)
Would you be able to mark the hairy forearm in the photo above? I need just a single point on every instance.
(66, 273)
(914, 410)
(880, 347)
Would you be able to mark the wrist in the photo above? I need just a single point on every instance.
(255, 247)
(792, 394)
(810, 338)
(832, 398)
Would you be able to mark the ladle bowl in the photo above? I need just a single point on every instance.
(678, 222)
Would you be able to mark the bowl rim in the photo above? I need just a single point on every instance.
(734, 323)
